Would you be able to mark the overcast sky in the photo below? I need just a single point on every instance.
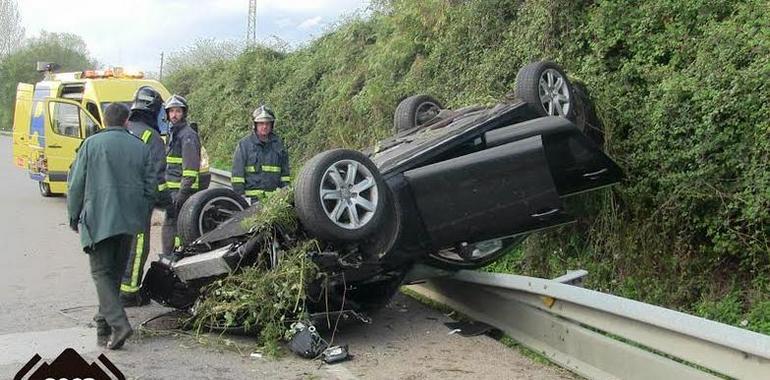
(134, 33)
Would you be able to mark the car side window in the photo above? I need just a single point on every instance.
(94, 110)
(90, 126)
(65, 119)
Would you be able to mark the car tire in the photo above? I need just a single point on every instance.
(414, 111)
(544, 86)
(205, 210)
(444, 262)
(340, 196)
(45, 189)
(585, 115)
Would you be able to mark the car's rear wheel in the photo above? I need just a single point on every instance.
(206, 210)
(545, 88)
(414, 111)
(585, 115)
(45, 189)
(473, 256)
(340, 195)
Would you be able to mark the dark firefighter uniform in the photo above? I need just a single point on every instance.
(183, 177)
(260, 165)
(142, 123)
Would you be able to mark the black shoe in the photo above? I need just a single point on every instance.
(134, 299)
(103, 332)
(101, 340)
(119, 337)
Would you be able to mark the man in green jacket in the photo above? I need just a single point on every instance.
(112, 188)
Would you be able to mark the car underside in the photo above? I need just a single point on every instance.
(453, 189)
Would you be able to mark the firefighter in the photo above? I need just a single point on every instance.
(143, 123)
(112, 188)
(183, 161)
(260, 162)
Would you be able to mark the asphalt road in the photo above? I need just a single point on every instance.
(47, 300)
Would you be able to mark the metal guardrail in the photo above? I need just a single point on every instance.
(219, 178)
(597, 335)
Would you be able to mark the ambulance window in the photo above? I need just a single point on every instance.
(72, 92)
(65, 119)
(94, 110)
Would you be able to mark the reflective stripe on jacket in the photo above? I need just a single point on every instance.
(259, 166)
(152, 139)
(183, 159)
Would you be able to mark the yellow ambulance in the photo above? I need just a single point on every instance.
(52, 118)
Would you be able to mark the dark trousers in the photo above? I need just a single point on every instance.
(169, 237)
(137, 256)
(108, 262)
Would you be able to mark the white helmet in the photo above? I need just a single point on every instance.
(263, 113)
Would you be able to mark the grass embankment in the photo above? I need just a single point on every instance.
(681, 87)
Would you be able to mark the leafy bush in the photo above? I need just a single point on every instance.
(681, 88)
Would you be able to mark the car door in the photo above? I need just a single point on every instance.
(495, 192)
(515, 185)
(576, 163)
(68, 124)
(21, 119)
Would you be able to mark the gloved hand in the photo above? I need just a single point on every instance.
(179, 198)
(74, 225)
(171, 212)
(163, 200)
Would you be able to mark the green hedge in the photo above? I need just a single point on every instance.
(681, 86)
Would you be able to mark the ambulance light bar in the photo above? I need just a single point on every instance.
(116, 72)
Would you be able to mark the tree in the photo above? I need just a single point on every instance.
(67, 50)
(11, 31)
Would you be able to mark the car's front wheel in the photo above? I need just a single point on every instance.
(206, 210)
(340, 195)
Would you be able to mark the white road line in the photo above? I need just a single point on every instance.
(20, 347)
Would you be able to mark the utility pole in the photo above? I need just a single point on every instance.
(251, 29)
(160, 75)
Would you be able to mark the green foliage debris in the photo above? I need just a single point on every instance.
(276, 210)
(262, 299)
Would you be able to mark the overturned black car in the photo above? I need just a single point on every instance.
(454, 189)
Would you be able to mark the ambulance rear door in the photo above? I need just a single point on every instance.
(21, 119)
